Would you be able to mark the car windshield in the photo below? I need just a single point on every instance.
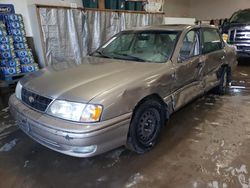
(143, 46)
(241, 17)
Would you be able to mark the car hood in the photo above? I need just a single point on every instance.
(83, 82)
(234, 25)
(240, 24)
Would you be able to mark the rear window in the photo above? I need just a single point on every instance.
(211, 41)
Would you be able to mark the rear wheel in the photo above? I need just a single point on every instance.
(145, 127)
(224, 80)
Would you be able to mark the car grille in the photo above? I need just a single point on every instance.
(34, 100)
(243, 48)
(239, 35)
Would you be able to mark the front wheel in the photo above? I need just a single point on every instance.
(145, 127)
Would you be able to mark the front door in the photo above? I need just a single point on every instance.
(189, 69)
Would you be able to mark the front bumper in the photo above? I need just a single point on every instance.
(243, 54)
(74, 139)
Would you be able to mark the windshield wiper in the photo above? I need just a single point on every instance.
(131, 57)
(99, 52)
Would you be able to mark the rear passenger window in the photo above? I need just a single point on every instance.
(211, 41)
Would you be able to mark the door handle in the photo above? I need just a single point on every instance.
(200, 65)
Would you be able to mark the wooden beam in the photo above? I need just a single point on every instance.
(42, 36)
(137, 0)
(101, 4)
(93, 9)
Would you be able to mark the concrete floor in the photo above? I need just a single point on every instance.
(206, 144)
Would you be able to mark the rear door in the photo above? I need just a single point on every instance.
(212, 50)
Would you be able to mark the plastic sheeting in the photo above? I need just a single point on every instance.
(70, 34)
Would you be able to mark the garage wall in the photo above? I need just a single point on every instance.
(200, 9)
(177, 8)
(172, 8)
(21, 7)
(207, 10)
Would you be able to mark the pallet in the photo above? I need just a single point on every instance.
(8, 81)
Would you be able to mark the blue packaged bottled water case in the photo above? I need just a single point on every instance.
(10, 63)
(27, 60)
(18, 39)
(20, 45)
(15, 25)
(16, 32)
(24, 53)
(6, 40)
(13, 18)
(29, 68)
(15, 56)
(6, 9)
(10, 70)
(6, 47)
(9, 54)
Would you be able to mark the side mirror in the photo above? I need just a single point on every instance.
(225, 26)
(225, 23)
(179, 59)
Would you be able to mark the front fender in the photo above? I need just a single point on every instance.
(124, 98)
(231, 57)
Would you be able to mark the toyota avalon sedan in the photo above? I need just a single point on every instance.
(124, 92)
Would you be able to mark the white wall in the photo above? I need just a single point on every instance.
(177, 8)
(21, 7)
(216, 9)
(204, 9)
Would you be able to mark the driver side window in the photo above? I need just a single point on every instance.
(190, 46)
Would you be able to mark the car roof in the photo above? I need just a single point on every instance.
(174, 27)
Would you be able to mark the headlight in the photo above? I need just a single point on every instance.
(19, 91)
(73, 111)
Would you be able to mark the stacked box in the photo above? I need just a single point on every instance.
(114, 4)
(130, 5)
(134, 5)
(6, 9)
(90, 3)
(27, 60)
(29, 68)
(9, 64)
(15, 28)
(111, 4)
(139, 6)
(121, 5)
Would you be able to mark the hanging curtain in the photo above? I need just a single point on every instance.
(71, 34)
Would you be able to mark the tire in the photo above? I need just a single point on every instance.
(224, 80)
(145, 127)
